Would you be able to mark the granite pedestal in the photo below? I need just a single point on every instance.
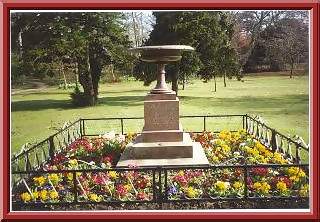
(162, 141)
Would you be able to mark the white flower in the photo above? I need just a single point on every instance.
(236, 154)
(121, 138)
(92, 163)
(109, 136)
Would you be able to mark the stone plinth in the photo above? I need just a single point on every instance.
(161, 118)
(160, 150)
(162, 141)
(198, 158)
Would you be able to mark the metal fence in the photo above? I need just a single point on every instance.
(29, 162)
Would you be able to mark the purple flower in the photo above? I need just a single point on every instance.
(172, 190)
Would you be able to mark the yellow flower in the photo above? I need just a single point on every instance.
(236, 135)
(265, 187)
(70, 176)
(255, 152)
(43, 195)
(278, 158)
(73, 163)
(35, 195)
(94, 197)
(257, 185)
(222, 186)
(113, 175)
(128, 187)
(268, 154)
(237, 185)
(281, 186)
(191, 192)
(53, 195)
(301, 173)
(304, 191)
(294, 178)
(215, 159)
(226, 148)
(260, 147)
(54, 178)
(181, 173)
(293, 171)
(225, 135)
(39, 181)
(26, 197)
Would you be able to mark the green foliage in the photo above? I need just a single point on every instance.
(78, 98)
(90, 40)
(208, 32)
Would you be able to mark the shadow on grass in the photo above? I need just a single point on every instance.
(63, 104)
(125, 91)
(271, 104)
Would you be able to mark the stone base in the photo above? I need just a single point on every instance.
(164, 154)
(162, 136)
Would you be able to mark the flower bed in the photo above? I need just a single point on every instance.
(241, 167)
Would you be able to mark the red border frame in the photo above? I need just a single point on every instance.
(7, 5)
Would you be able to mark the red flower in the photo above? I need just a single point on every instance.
(284, 179)
(121, 190)
(181, 180)
(141, 196)
(260, 171)
(59, 158)
(107, 159)
(249, 183)
(97, 179)
(81, 143)
(142, 182)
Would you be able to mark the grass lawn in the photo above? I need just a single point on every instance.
(282, 102)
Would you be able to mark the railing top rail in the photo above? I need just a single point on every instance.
(182, 116)
(277, 132)
(43, 141)
(153, 168)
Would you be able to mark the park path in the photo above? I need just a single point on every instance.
(30, 85)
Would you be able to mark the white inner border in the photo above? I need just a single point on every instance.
(201, 210)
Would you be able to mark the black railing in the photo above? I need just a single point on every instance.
(160, 189)
(30, 161)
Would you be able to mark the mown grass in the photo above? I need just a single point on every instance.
(282, 102)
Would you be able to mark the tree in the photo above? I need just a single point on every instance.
(291, 41)
(208, 32)
(255, 37)
(90, 40)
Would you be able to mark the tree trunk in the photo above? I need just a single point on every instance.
(291, 69)
(215, 83)
(175, 80)
(184, 81)
(85, 78)
(135, 31)
(64, 75)
(224, 79)
(20, 45)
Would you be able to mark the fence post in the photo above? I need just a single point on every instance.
(122, 131)
(273, 140)
(51, 148)
(159, 198)
(75, 191)
(204, 123)
(80, 125)
(298, 159)
(245, 181)
(243, 121)
(83, 128)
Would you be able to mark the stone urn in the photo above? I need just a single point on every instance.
(162, 141)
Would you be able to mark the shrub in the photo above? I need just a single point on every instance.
(78, 98)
